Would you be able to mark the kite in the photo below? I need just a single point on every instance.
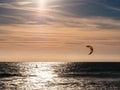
(91, 49)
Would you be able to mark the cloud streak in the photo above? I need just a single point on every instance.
(64, 25)
(28, 12)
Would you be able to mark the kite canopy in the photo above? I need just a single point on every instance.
(91, 49)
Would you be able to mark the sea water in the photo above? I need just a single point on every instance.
(59, 76)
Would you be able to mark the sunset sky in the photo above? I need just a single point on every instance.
(59, 29)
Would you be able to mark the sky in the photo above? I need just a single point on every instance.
(59, 30)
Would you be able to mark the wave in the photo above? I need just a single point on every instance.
(95, 75)
(3, 75)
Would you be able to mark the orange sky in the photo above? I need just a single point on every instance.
(55, 30)
(63, 43)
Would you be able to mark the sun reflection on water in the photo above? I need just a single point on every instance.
(40, 75)
(53, 76)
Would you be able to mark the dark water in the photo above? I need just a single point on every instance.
(59, 76)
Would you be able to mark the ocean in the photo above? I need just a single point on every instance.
(59, 76)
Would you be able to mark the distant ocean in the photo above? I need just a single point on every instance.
(59, 76)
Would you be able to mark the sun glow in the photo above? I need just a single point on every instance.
(42, 4)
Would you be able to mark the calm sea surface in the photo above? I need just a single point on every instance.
(59, 76)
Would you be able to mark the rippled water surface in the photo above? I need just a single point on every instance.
(59, 76)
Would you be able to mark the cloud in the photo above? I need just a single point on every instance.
(68, 13)
(5, 31)
(89, 15)
(108, 26)
(7, 1)
(107, 42)
(89, 8)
